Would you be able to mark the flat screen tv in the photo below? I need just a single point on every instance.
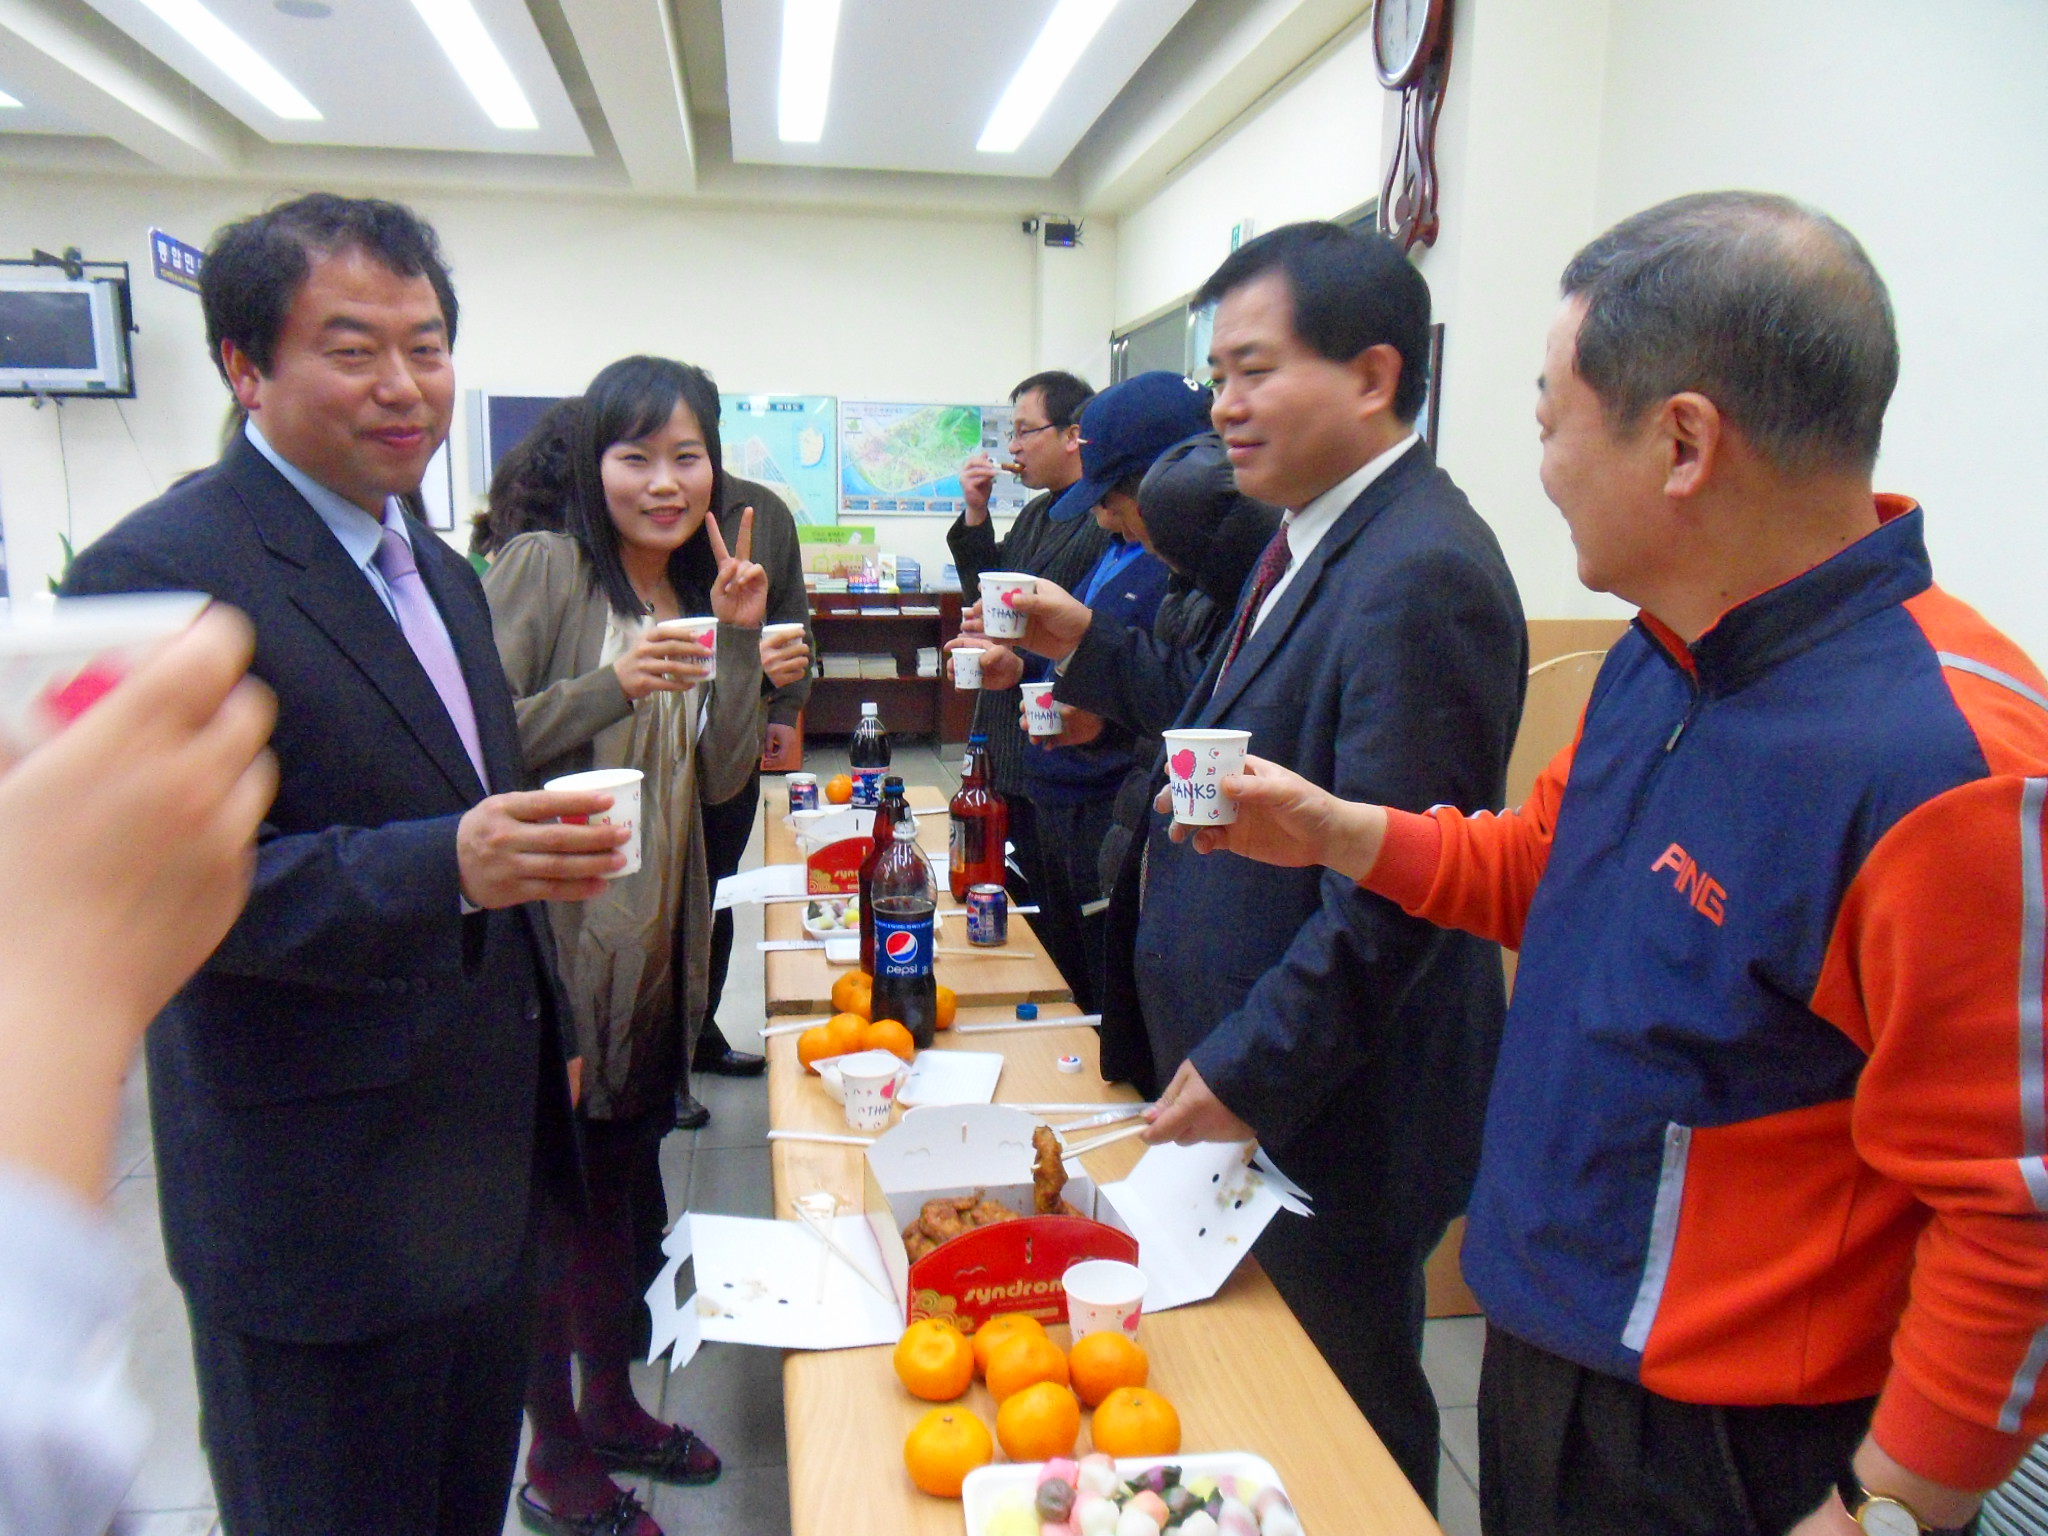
(63, 336)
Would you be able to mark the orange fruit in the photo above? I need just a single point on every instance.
(949, 1005)
(1136, 1421)
(1039, 1422)
(934, 1360)
(888, 1035)
(946, 1445)
(1024, 1361)
(998, 1330)
(839, 788)
(854, 993)
(814, 1045)
(847, 1028)
(1099, 1363)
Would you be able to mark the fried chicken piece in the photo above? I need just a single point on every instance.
(987, 1213)
(1048, 1173)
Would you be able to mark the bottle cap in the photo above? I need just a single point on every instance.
(1027, 1010)
(870, 709)
(1070, 1063)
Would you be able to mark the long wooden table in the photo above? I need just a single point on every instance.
(1238, 1367)
(800, 981)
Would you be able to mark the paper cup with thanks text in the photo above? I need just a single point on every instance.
(702, 628)
(1196, 762)
(870, 1080)
(1104, 1296)
(966, 666)
(1041, 714)
(623, 785)
(1000, 619)
(58, 659)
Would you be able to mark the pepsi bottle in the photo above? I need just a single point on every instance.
(869, 757)
(904, 904)
(894, 808)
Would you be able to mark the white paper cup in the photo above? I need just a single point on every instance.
(58, 659)
(781, 631)
(1104, 1296)
(1041, 714)
(966, 667)
(999, 620)
(623, 785)
(870, 1088)
(703, 629)
(1196, 761)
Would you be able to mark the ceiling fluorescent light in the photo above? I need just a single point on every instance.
(1068, 31)
(225, 50)
(7, 100)
(460, 32)
(810, 32)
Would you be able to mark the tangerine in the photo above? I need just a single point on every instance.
(814, 1045)
(944, 1446)
(1039, 1422)
(1099, 1363)
(998, 1330)
(949, 1005)
(839, 788)
(1136, 1421)
(854, 993)
(889, 1035)
(934, 1360)
(1023, 1361)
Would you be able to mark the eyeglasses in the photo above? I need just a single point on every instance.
(1017, 436)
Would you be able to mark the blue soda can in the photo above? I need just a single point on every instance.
(803, 791)
(988, 915)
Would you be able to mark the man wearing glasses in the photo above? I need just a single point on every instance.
(1045, 445)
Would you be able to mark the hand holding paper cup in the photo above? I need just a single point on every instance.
(967, 667)
(1104, 1296)
(702, 628)
(58, 659)
(623, 785)
(1041, 714)
(1000, 618)
(1197, 761)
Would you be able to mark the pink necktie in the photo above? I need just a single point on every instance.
(1273, 562)
(428, 637)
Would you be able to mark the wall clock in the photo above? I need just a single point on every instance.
(1411, 47)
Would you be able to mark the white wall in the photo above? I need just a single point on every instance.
(551, 290)
(1313, 150)
(1924, 129)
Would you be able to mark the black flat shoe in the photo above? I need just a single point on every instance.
(690, 1115)
(625, 1517)
(680, 1458)
(729, 1063)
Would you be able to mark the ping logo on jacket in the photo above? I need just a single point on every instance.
(1705, 894)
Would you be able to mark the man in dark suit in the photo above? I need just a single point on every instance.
(1380, 641)
(358, 1100)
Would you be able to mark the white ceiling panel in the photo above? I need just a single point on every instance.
(374, 72)
(33, 115)
(914, 82)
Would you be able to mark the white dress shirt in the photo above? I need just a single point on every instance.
(1305, 528)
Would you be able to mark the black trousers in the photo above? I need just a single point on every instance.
(1361, 1299)
(727, 827)
(1068, 878)
(410, 1434)
(1567, 1451)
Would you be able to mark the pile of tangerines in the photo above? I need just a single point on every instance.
(853, 1026)
(1039, 1391)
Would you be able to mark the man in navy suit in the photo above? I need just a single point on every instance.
(1380, 642)
(359, 1099)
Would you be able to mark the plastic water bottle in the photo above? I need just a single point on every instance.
(869, 757)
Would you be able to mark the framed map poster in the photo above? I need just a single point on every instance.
(899, 460)
(787, 443)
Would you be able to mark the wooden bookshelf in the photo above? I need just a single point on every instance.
(910, 705)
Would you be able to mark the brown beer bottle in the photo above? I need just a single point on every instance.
(980, 829)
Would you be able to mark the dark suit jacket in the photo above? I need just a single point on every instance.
(346, 1099)
(1357, 1041)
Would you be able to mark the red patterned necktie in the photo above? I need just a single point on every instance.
(1273, 562)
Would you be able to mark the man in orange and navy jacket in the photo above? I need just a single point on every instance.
(1759, 1227)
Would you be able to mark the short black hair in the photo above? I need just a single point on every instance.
(254, 269)
(627, 400)
(534, 482)
(1352, 289)
(1064, 395)
(1769, 308)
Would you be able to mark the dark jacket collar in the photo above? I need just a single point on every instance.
(1882, 569)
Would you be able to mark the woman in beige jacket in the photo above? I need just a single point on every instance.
(597, 686)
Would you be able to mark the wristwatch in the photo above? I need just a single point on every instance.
(1881, 1515)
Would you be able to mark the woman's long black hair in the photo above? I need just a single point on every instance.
(626, 401)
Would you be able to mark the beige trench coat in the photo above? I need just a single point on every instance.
(617, 952)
